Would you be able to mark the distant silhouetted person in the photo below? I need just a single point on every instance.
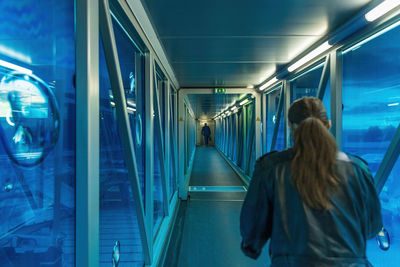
(206, 132)
(317, 205)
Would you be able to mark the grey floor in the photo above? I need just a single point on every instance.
(206, 231)
(210, 169)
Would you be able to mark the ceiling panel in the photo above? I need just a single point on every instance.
(208, 106)
(224, 74)
(231, 42)
(235, 49)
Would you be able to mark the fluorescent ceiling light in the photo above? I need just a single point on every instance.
(393, 104)
(244, 102)
(381, 9)
(14, 67)
(270, 82)
(234, 108)
(357, 45)
(250, 86)
(319, 50)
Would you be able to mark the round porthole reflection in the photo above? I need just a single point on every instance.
(29, 118)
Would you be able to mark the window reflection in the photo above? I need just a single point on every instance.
(37, 132)
(118, 217)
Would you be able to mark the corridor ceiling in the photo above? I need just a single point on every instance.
(236, 43)
(208, 106)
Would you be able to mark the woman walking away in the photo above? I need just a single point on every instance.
(317, 205)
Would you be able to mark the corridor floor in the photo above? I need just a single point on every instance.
(206, 231)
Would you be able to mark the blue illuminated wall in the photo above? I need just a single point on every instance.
(37, 132)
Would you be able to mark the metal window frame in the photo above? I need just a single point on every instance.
(287, 96)
(323, 82)
(336, 65)
(388, 162)
(257, 127)
(87, 128)
(265, 122)
(149, 157)
(167, 138)
(159, 135)
(113, 66)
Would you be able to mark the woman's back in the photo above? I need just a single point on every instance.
(305, 236)
(316, 204)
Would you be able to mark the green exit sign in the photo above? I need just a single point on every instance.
(220, 90)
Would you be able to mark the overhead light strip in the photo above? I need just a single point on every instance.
(319, 50)
(269, 83)
(381, 9)
(244, 102)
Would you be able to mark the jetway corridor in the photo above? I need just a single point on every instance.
(104, 158)
(206, 231)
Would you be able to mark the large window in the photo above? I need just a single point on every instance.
(371, 114)
(306, 84)
(37, 133)
(371, 86)
(116, 197)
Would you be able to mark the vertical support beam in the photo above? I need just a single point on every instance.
(176, 134)
(257, 134)
(324, 78)
(181, 145)
(237, 136)
(167, 139)
(336, 96)
(149, 154)
(264, 122)
(244, 148)
(87, 129)
(387, 164)
(287, 89)
(113, 66)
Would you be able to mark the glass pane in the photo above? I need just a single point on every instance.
(132, 72)
(390, 201)
(157, 189)
(306, 84)
(117, 206)
(371, 86)
(37, 133)
(273, 103)
(172, 168)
